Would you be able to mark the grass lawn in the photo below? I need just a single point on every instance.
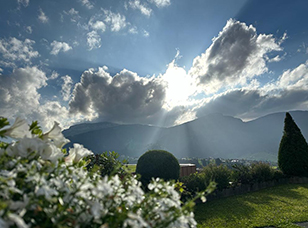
(278, 206)
(131, 168)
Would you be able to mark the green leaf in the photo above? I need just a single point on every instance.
(3, 122)
(36, 129)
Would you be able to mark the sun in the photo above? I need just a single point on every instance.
(180, 86)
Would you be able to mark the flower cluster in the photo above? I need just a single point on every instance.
(42, 185)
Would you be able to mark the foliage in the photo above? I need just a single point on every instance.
(40, 186)
(107, 163)
(220, 174)
(199, 181)
(261, 172)
(293, 150)
(158, 163)
(279, 206)
(241, 174)
(193, 183)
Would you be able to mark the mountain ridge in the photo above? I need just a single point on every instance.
(214, 135)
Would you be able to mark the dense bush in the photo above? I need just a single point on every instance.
(241, 174)
(158, 163)
(194, 182)
(40, 186)
(261, 172)
(200, 181)
(254, 173)
(220, 174)
(293, 150)
(107, 163)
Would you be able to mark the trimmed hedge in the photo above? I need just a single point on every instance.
(158, 163)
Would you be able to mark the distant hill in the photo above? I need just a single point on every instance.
(214, 135)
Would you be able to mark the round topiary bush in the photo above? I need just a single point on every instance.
(158, 163)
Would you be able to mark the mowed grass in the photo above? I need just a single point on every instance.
(131, 168)
(279, 206)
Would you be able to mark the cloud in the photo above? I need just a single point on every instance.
(294, 79)
(18, 91)
(115, 20)
(74, 14)
(66, 87)
(42, 17)
(125, 97)
(93, 40)
(59, 46)
(1, 70)
(25, 3)
(288, 92)
(238, 53)
(161, 3)
(133, 30)
(54, 75)
(146, 33)
(20, 96)
(87, 4)
(29, 29)
(135, 4)
(14, 50)
(97, 25)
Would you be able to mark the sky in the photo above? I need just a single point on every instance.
(156, 62)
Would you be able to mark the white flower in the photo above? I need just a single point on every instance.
(96, 208)
(18, 130)
(51, 152)
(18, 221)
(55, 135)
(25, 146)
(46, 191)
(77, 153)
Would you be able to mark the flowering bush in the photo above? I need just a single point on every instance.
(42, 185)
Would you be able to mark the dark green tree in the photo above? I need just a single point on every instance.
(293, 150)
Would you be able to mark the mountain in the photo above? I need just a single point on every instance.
(214, 135)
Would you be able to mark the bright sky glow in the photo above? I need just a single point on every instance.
(159, 62)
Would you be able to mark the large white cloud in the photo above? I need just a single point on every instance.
(20, 96)
(18, 91)
(125, 97)
(58, 46)
(238, 53)
(289, 92)
(14, 50)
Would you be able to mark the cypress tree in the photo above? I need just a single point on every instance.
(293, 150)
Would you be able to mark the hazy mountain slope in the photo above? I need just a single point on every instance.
(214, 135)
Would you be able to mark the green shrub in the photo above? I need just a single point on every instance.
(220, 174)
(193, 183)
(293, 150)
(107, 164)
(241, 174)
(158, 163)
(261, 172)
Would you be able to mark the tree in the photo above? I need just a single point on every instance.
(293, 150)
